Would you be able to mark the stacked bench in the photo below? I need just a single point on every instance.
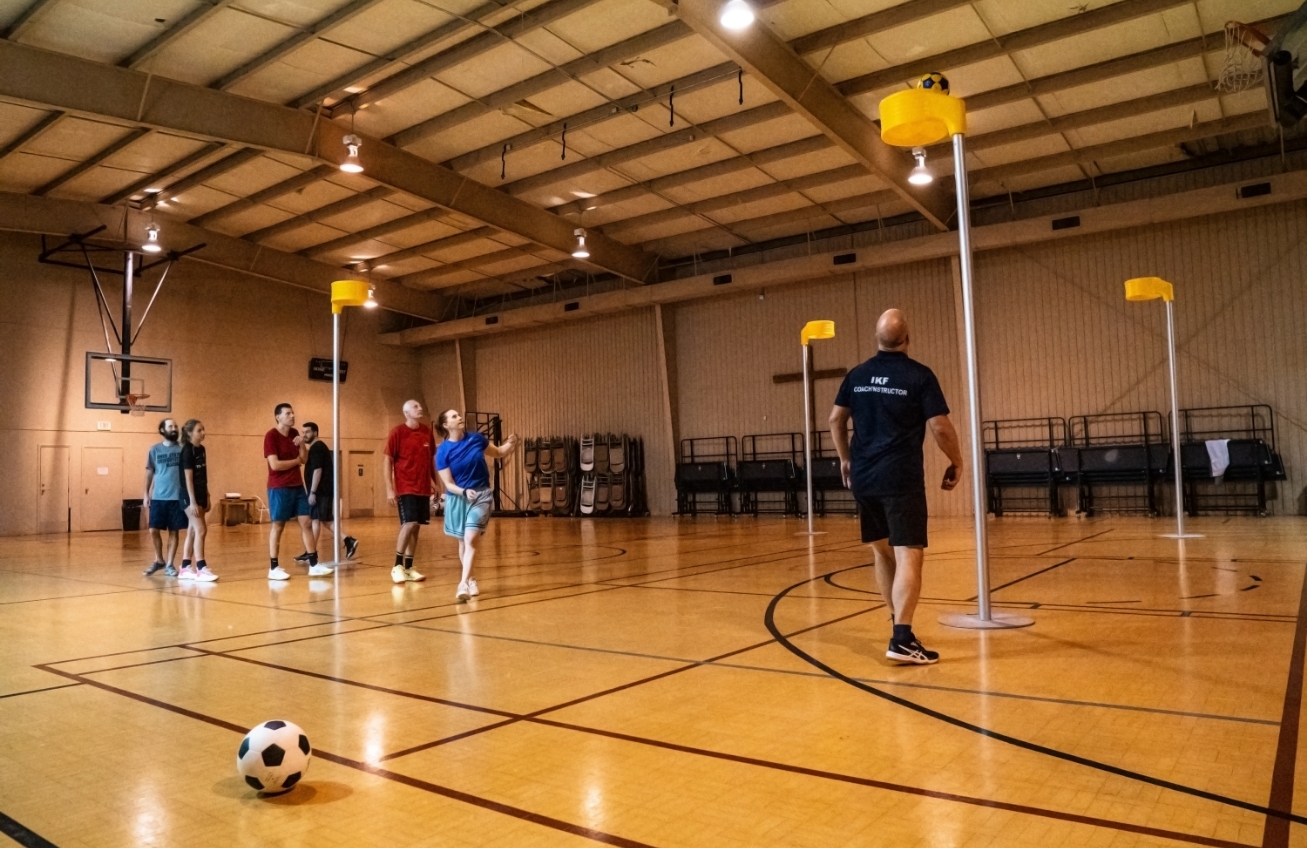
(764, 475)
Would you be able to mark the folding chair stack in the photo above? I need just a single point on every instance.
(552, 472)
(609, 481)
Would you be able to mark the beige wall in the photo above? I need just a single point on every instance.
(239, 346)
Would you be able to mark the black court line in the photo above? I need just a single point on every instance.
(769, 621)
(22, 835)
(1275, 833)
(34, 691)
(1027, 577)
(1076, 542)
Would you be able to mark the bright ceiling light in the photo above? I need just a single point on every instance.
(371, 302)
(920, 175)
(352, 165)
(152, 240)
(736, 15)
(580, 251)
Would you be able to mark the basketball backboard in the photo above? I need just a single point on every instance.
(113, 381)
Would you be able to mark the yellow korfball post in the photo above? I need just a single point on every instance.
(343, 293)
(811, 330)
(915, 118)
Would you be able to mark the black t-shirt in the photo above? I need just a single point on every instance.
(891, 398)
(194, 460)
(319, 457)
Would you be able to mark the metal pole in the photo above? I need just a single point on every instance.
(1175, 422)
(335, 441)
(985, 618)
(807, 432)
(125, 343)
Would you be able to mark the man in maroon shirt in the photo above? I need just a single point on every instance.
(409, 470)
(285, 451)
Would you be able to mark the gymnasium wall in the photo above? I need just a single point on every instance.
(239, 345)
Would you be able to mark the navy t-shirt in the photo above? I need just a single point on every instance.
(466, 460)
(891, 398)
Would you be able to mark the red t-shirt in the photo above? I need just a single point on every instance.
(282, 447)
(412, 450)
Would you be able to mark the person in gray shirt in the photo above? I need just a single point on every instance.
(163, 496)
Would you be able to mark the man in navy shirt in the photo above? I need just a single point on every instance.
(893, 400)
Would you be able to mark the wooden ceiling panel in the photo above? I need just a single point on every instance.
(304, 69)
(369, 215)
(518, 164)
(576, 188)
(219, 45)
(15, 120)
(1014, 114)
(1128, 87)
(770, 206)
(850, 59)
(702, 239)
(24, 172)
(718, 186)
(311, 197)
(459, 252)
(846, 188)
(818, 220)
(96, 183)
(302, 237)
(811, 163)
(249, 220)
(673, 61)
(386, 26)
(610, 84)
(1216, 12)
(1109, 42)
(543, 43)
(153, 153)
(556, 103)
(929, 36)
(422, 233)
(517, 263)
(698, 153)
(76, 139)
(620, 211)
(622, 131)
(1165, 119)
(101, 32)
(1004, 16)
(467, 136)
(1253, 100)
(983, 76)
(1042, 146)
(493, 70)
(398, 269)
(255, 175)
(608, 22)
(403, 109)
(794, 18)
(769, 133)
(711, 101)
(690, 227)
(195, 202)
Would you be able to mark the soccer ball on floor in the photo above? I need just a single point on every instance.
(274, 756)
(934, 82)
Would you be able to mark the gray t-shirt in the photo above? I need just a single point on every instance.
(165, 461)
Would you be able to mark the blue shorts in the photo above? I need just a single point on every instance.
(285, 504)
(168, 515)
(461, 516)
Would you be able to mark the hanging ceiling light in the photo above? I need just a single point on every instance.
(152, 240)
(920, 175)
(352, 165)
(371, 302)
(736, 15)
(580, 251)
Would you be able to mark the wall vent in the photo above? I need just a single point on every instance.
(845, 259)
(1066, 223)
(1254, 190)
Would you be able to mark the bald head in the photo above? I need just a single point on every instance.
(412, 411)
(892, 330)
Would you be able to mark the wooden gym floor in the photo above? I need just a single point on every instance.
(709, 682)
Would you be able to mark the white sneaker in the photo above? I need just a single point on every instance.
(412, 575)
(320, 570)
(472, 587)
(187, 573)
(278, 573)
(463, 592)
(204, 575)
(397, 574)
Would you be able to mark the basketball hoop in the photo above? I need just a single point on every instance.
(136, 403)
(1243, 68)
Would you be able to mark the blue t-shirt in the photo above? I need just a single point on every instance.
(165, 460)
(466, 460)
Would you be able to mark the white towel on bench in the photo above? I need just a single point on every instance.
(1218, 452)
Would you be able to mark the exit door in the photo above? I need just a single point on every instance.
(52, 515)
(102, 489)
(359, 481)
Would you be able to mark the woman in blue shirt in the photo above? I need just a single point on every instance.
(461, 465)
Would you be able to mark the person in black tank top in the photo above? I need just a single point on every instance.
(194, 487)
(892, 401)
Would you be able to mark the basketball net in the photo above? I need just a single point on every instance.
(137, 404)
(1243, 68)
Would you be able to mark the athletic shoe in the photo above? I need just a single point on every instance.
(472, 587)
(412, 575)
(153, 569)
(278, 573)
(204, 575)
(170, 570)
(463, 592)
(302, 558)
(351, 547)
(320, 570)
(911, 651)
(187, 573)
(397, 574)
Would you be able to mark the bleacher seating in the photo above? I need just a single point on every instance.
(769, 474)
(1119, 458)
(1255, 466)
(1022, 464)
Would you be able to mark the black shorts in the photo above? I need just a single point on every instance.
(414, 509)
(901, 518)
(322, 510)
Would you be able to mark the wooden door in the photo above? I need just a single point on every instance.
(52, 513)
(102, 489)
(360, 476)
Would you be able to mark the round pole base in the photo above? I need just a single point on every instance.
(973, 621)
(1182, 536)
(811, 533)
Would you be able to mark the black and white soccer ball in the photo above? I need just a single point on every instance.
(274, 756)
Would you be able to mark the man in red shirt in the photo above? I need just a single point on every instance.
(285, 451)
(409, 473)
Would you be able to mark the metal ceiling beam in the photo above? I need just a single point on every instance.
(174, 32)
(1116, 13)
(54, 80)
(894, 16)
(427, 280)
(159, 178)
(82, 167)
(757, 49)
(337, 18)
(340, 207)
(272, 192)
(217, 169)
(26, 18)
(395, 226)
(27, 214)
(41, 127)
(433, 246)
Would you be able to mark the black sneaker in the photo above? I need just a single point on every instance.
(911, 651)
(170, 570)
(153, 569)
(303, 558)
(351, 547)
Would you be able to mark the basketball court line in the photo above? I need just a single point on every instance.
(22, 835)
(1275, 834)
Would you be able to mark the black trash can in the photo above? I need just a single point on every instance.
(132, 513)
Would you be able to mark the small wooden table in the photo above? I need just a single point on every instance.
(233, 511)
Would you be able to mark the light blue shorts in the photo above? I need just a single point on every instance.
(462, 515)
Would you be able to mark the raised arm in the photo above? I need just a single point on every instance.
(839, 433)
(503, 450)
(947, 439)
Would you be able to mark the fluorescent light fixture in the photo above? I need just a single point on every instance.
(736, 15)
(580, 251)
(920, 175)
(352, 165)
(371, 302)
(152, 240)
